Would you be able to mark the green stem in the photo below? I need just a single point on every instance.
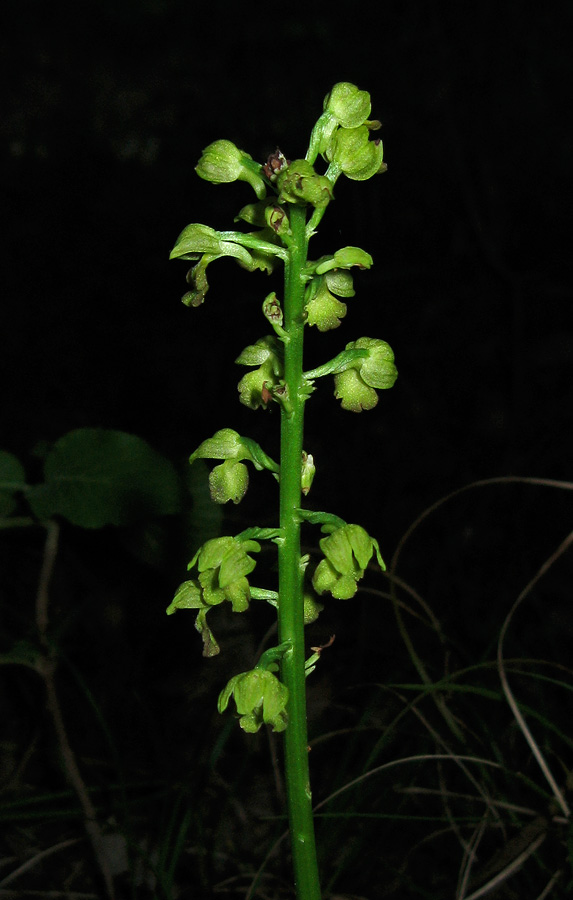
(290, 613)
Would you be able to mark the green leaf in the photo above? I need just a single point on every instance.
(12, 480)
(96, 477)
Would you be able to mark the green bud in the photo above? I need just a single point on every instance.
(223, 162)
(260, 699)
(272, 310)
(308, 471)
(345, 106)
(299, 183)
(348, 105)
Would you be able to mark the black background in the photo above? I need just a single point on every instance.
(106, 110)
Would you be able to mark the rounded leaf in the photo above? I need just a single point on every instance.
(96, 477)
(12, 479)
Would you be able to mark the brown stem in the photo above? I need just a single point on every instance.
(47, 668)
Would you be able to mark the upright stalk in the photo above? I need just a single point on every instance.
(290, 609)
(291, 199)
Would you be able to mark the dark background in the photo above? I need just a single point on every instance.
(106, 108)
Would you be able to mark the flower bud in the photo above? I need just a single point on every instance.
(223, 162)
(299, 183)
(260, 699)
(308, 471)
(349, 105)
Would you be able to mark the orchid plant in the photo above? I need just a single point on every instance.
(291, 199)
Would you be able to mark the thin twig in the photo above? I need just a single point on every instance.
(557, 793)
(47, 668)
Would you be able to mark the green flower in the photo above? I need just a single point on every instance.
(330, 277)
(223, 162)
(347, 551)
(260, 699)
(344, 107)
(223, 564)
(230, 480)
(355, 385)
(202, 245)
(354, 154)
